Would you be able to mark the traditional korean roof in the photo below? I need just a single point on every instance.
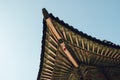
(69, 54)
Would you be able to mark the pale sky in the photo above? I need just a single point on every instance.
(21, 29)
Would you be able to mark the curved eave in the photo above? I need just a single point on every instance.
(106, 43)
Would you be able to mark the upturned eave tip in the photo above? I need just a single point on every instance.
(45, 13)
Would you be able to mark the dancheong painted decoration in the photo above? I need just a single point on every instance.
(69, 54)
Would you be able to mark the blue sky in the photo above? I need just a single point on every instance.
(21, 29)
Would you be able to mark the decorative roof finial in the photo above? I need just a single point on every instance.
(45, 13)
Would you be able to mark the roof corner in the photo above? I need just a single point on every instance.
(45, 13)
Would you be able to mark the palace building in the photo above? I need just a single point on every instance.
(69, 54)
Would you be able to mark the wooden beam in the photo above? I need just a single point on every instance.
(62, 44)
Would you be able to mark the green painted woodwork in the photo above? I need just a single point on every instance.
(96, 60)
